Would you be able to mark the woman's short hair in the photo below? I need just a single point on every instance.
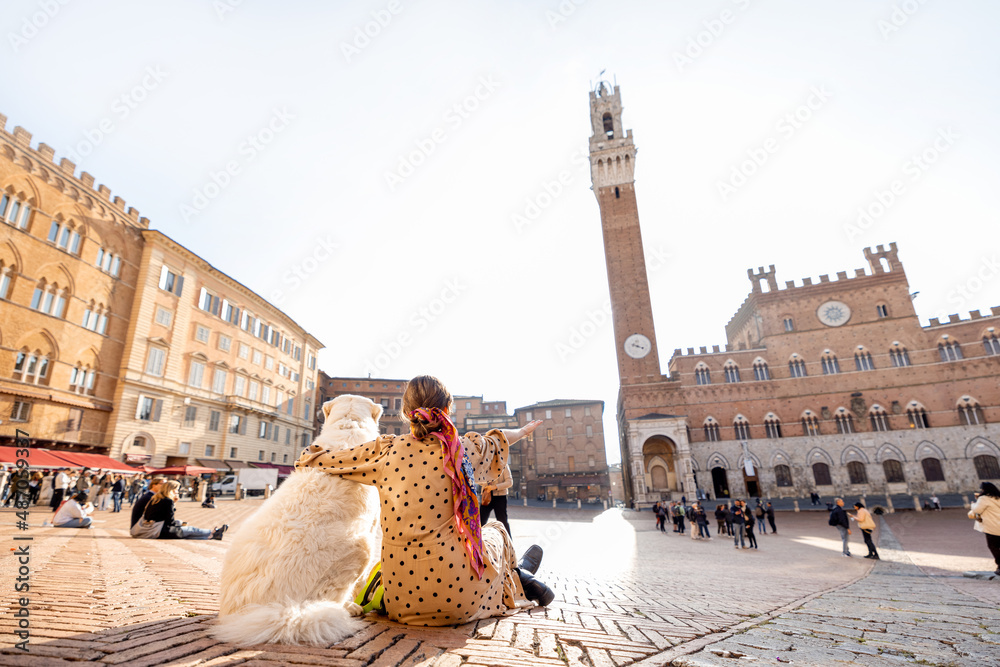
(989, 489)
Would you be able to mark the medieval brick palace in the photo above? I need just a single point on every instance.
(832, 387)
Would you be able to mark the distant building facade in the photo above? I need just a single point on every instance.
(564, 458)
(833, 387)
(116, 340)
(386, 392)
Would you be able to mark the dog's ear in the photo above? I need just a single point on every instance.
(326, 409)
(376, 412)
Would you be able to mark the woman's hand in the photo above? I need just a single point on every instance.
(513, 435)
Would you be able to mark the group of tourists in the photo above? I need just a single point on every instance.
(736, 520)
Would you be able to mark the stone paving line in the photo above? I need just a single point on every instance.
(104, 597)
(895, 615)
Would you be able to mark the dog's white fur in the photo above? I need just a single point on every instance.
(296, 565)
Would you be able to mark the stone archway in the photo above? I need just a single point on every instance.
(660, 464)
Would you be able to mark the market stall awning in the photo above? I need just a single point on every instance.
(283, 471)
(237, 464)
(36, 458)
(213, 463)
(95, 462)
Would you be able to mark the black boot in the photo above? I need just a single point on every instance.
(531, 559)
(534, 589)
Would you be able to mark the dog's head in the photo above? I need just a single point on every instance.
(349, 421)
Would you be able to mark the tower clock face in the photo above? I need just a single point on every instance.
(637, 346)
(834, 313)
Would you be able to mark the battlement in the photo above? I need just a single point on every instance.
(46, 155)
(955, 318)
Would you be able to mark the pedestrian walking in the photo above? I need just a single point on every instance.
(770, 518)
(495, 500)
(104, 492)
(135, 489)
(986, 512)
(117, 491)
(838, 518)
(60, 488)
(759, 512)
(814, 497)
(34, 487)
(867, 524)
(661, 517)
(736, 521)
(701, 518)
(748, 524)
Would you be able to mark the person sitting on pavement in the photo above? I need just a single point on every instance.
(161, 508)
(140, 504)
(986, 512)
(74, 513)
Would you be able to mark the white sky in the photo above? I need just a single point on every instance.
(518, 293)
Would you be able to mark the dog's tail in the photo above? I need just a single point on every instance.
(317, 623)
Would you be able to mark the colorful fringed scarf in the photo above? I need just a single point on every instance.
(464, 498)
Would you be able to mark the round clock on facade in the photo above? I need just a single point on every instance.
(833, 313)
(637, 346)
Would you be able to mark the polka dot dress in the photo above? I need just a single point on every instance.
(425, 569)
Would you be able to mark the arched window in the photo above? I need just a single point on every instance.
(845, 421)
(609, 126)
(879, 418)
(782, 475)
(987, 466)
(810, 424)
(81, 379)
(899, 356)
(13, 211)
(797, 367)
(772, 426)
(95, 318)
(950, 350)
(108, 261)
(932, 470)
(821, 473)
(830, 364)
(6, 279)
(742, 428)
(711, 430)
(917, 415)
(991, 344)
(32, 367)
(702, 375)
(893, 471)
(760, 370)
(49, 299)
(863, 360)
(789, 324)
(856, 472)
(732, 372)
(969, 412)
(65, 236)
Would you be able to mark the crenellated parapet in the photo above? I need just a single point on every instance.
(40, 162)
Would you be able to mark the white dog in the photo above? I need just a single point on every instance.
(296, 565)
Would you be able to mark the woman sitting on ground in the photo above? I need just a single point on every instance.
(439, 566)
(73, 513)
(161, 508)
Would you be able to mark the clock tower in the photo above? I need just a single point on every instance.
(612, 164)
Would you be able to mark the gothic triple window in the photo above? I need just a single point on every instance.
(742, 428)
(899, 356)
(711, 430)
(879, 419)
(32, 367)
(863, 361)
(760, 370)
(991, 344)
(702, 375)
(917, 416)
(969, 412)
(830, 364)
(732, 372)
(845, 421)
(810, 425)
(797, 368)
(950, 351)
(13, 211)
(772, 427)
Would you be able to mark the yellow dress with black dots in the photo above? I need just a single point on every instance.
(426, 571)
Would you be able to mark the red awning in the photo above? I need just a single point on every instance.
(95, 462)
(184, 470)
(36, 458)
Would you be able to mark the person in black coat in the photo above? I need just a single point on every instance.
(117, 491)
(737, 522)
(839, 519)
(161, 508)
(140, 505)
(770, 518)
